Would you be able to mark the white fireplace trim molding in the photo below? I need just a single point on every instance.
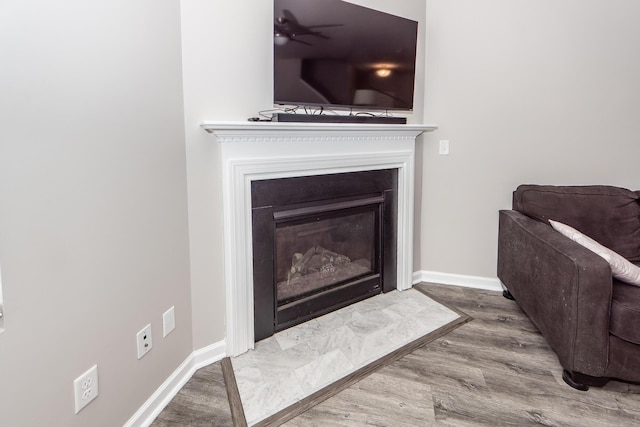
(257, 151)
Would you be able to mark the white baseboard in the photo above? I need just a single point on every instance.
(172, 385)
(209, 354)
(477, 282)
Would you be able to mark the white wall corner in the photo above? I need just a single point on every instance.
(477, 282)
(172, 385)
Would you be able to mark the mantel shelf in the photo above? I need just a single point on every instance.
(264, 128)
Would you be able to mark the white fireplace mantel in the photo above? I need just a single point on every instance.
(237, 129)
(267, 150)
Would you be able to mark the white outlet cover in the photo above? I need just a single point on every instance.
(144, 341)
(85, 388)
(168, 321)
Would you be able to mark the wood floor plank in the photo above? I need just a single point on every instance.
(201, 402)
(496, 370)
(377, 399)
(233, 394)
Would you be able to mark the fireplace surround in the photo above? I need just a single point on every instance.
(264, 151)
(320, 243)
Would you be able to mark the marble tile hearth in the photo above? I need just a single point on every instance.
(296, 362)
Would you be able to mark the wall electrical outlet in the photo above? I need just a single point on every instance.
(168, 321)
(85, 388)
(144, 341)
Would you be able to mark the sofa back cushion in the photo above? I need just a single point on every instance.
(609, 215)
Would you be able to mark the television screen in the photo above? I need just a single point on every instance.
(336, 54)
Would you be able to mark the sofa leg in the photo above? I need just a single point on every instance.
(568, 378)
(581, 381)
(508, 295)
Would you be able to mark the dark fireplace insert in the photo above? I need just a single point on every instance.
(321, 243)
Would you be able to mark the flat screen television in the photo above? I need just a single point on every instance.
(336, 54)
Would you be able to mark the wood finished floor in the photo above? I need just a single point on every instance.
(495, 370)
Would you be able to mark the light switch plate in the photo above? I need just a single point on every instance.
(168, 321)
(443, 148)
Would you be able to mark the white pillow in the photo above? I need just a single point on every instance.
(620, 267)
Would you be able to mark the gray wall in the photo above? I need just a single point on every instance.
(526, 92)
(93, 205)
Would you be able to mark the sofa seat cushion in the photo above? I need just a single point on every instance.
(609, 215)
(625, 312)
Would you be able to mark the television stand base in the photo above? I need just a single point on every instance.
(335, 118)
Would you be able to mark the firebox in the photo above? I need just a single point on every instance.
(321, 243)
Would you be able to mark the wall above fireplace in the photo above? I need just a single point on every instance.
(256, 151)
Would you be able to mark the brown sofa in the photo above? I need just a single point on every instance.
(590, 319)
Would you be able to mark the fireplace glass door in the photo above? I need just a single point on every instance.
(325, 255)
(320, 253)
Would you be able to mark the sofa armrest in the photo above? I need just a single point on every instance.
(564, 288)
